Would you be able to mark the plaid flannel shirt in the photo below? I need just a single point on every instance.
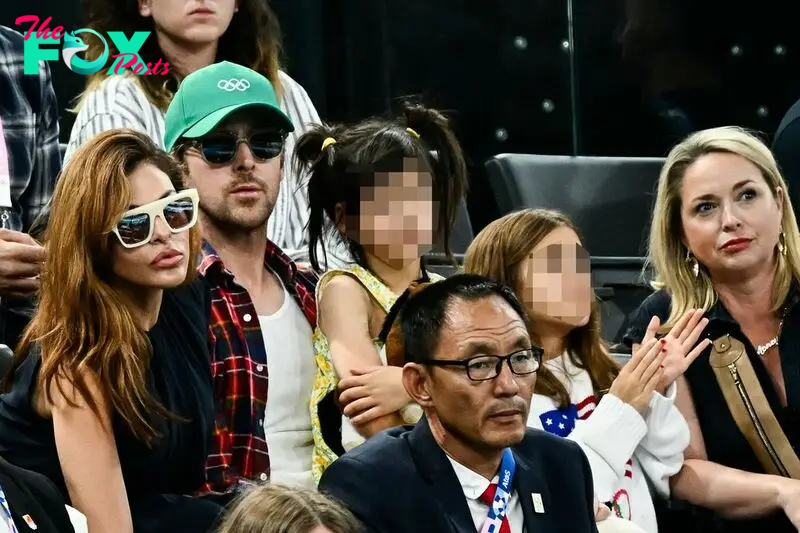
(239, 452)
(29, 112)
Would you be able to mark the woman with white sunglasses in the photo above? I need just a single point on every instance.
(110, 394)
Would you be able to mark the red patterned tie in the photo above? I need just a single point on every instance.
(488, 498)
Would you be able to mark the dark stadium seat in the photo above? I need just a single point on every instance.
(609, 198)
(462, 234)
(621, 286)
(439, 263)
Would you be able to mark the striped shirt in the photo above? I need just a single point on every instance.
(119, 102)
(29, 113)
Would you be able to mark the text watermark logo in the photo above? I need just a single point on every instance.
(128, 56)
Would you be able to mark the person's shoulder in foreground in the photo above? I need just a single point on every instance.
(383, 454)
(33, 500)
(381, 483)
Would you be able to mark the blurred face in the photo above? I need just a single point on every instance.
(556, 282)
(481, 415)
(191, 21)
(320, 529)
(238, 182)
(731, 219)
(396, 221)
(160, 261)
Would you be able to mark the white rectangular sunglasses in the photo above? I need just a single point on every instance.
(178, 211)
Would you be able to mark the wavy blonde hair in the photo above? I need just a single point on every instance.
(668, 253)
(280, 509)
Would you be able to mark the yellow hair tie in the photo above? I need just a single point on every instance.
(413, 132)
(327, 142)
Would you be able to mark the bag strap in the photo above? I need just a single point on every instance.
(750, 408)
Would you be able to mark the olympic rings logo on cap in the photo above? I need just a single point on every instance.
(233, 84)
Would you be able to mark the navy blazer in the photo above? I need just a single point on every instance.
(33, 495)
(400, 481)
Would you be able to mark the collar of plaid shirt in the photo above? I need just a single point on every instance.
(239, 453)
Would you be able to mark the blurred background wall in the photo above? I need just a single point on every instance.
(574, 77)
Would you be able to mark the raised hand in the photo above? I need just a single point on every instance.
(680, 344)
(640, 376)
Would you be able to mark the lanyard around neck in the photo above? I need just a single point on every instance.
(5, 513)
(502, 495)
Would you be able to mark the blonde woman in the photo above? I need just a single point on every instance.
(724, 239)
(279, 509)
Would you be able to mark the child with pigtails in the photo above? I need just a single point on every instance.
(389, 189)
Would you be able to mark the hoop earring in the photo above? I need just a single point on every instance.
(692, 260)
(782, 244)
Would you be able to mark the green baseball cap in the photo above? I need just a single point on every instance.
(208, 95)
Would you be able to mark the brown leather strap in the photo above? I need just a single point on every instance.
(739, 384)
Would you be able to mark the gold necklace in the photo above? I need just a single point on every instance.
(761, 349)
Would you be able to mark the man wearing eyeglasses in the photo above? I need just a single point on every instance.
(226, 125)
(470, 464)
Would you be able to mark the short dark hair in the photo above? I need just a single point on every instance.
(418, 317)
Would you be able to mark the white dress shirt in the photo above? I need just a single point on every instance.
(78, 520)
(474, 485)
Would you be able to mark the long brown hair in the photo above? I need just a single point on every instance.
(253, 39)
(279, 509)
(82, 322)
(497, 252)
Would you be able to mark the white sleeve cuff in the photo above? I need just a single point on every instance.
(613, 431)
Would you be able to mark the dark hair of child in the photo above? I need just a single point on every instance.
(344, 160)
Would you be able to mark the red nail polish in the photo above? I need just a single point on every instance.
(663, 341)
(662, 366)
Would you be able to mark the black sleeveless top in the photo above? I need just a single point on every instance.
(179, 378)
(724, 443)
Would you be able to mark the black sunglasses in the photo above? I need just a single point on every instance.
(221, 148)
(486, 367)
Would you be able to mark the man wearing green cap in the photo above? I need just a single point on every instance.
(226, 125)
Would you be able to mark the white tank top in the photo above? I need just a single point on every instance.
(287, 422)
